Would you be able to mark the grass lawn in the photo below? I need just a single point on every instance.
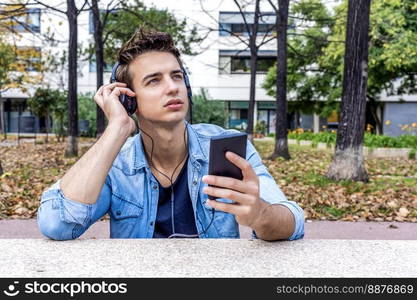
(390, 195)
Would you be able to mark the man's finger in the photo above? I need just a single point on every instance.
(242, 164)
(107, 89)
(226, 207)
(228, 194)
(100, 90)
(120, 90)
(227, 182)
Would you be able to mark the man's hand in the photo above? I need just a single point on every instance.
(248, 206)
(107, 97)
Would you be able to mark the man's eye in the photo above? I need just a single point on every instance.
(153, 81)
(178, 76)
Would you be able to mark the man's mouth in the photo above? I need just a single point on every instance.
(174, 104)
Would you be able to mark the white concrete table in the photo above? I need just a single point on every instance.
(207, 258)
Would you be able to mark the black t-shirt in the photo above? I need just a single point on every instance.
(183, 209)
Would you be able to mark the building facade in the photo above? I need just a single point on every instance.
(221, 68)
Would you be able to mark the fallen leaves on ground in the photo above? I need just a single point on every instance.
(29, 169)
(390, 195)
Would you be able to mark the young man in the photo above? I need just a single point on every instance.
(153, 184)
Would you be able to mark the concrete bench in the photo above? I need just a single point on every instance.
(207, 258)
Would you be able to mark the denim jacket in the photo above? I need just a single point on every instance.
(130, 195)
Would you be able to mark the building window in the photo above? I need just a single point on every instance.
(232, 23)
(28, 59)
(225, 65)
(92, 66)
(91, 19)
(241, 64)
(240, 29)
(29, 21)
(238, 115)
(238, 62)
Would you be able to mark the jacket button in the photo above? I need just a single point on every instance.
(195, 182)
(118, 212)
(155, 187)
(151, 223)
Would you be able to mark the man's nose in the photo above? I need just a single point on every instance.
(172, 86)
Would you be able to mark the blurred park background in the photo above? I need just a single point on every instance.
(326, 91)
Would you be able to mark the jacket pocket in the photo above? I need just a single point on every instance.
(122, 208)
(124, 217)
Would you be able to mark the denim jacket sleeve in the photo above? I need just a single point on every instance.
(271, 193)
(61, 218)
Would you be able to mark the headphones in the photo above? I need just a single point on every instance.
(130, 103)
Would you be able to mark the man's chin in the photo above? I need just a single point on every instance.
(165, 121)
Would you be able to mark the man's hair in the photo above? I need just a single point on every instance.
(141, 42)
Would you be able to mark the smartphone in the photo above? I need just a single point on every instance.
(219, 165)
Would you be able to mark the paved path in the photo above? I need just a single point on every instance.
(314, 230)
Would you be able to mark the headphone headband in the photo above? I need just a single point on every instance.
(113, 72)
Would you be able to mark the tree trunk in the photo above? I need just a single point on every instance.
(61, 132)
(281, 140)
(2, 122)
(98, 38)
(72, 146)
(47, 126)
(18, 124)
(1, 169)
(348, 161)
(253, 69)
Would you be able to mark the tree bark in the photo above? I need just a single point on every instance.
(2, 123)
(253, 68)
(47, 126)
(348, 161)
(99, 45)
(72, 143)
(281, 139)
(1, 169)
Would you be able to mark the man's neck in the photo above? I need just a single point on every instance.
(169, 148)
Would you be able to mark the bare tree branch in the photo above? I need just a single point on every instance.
(273, 6)
(264, 42)
(50, 7)
(109, 10)
(244, 18)
(82, 7)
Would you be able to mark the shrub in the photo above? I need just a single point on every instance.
(412, 154)
(370, 140)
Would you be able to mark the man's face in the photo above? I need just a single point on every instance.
(157, 79)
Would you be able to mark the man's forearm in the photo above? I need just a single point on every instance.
(84, 180)
(276, 222)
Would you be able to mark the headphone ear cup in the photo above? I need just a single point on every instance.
(129, 103)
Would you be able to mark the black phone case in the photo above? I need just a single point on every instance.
(219, 165)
